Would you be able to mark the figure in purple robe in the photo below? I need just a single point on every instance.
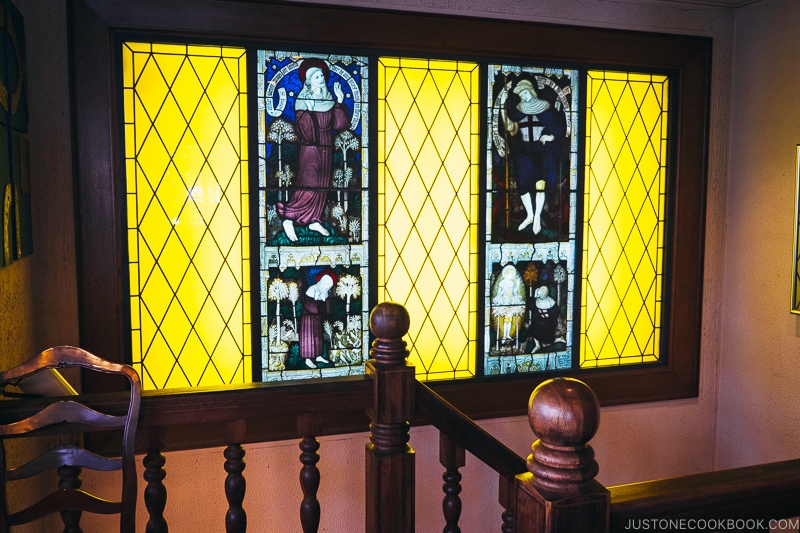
(316, 307)
(317, 115)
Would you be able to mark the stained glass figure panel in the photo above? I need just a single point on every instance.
(185, 135)
(624, 218)
(313, 213)
(428, 207)
(531, 193)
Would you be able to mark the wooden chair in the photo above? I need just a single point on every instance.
(67, 416)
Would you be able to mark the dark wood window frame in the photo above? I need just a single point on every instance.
(95, 23)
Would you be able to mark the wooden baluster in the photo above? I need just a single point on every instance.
(559, 494)
(235, 518)
(308, 426)
(452, 457)
(389, 458)
(155, 494)
(506, 490)
(69, 477)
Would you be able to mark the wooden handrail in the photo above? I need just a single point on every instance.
(458, 434)
(768, 491)
(439, 413)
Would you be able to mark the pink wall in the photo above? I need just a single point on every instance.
(759, 399)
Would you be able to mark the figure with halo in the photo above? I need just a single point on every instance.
(317, 116)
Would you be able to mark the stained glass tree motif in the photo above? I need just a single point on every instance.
(428, 186)
(313, 213)
(185, 131)
(624, 209)
(531, 186)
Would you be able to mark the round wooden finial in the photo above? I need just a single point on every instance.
(389, 320)
(564, 412)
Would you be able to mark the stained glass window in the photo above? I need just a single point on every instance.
(313, 213)
(185, 132)
(531, 184)
(624, 209)
(428, 207)
(552, 259)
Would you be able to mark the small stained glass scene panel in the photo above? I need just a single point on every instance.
(185, 120)
(313, 213)
(532, 179)
(428, 207)
(624, 202)
(316, 321)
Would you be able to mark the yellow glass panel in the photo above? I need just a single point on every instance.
(169, 65)
(624, 199)
(154, 88)
(428, 150)
(163, 48)
(186, 136)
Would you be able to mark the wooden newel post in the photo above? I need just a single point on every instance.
(389, 458)
(559, 494)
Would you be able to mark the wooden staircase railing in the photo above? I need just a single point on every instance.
(457, 434)
(554, 491)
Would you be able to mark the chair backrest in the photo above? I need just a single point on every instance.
(68, 416)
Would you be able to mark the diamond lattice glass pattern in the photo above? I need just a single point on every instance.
(428, 151)
(624, 206)
(187, 216)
